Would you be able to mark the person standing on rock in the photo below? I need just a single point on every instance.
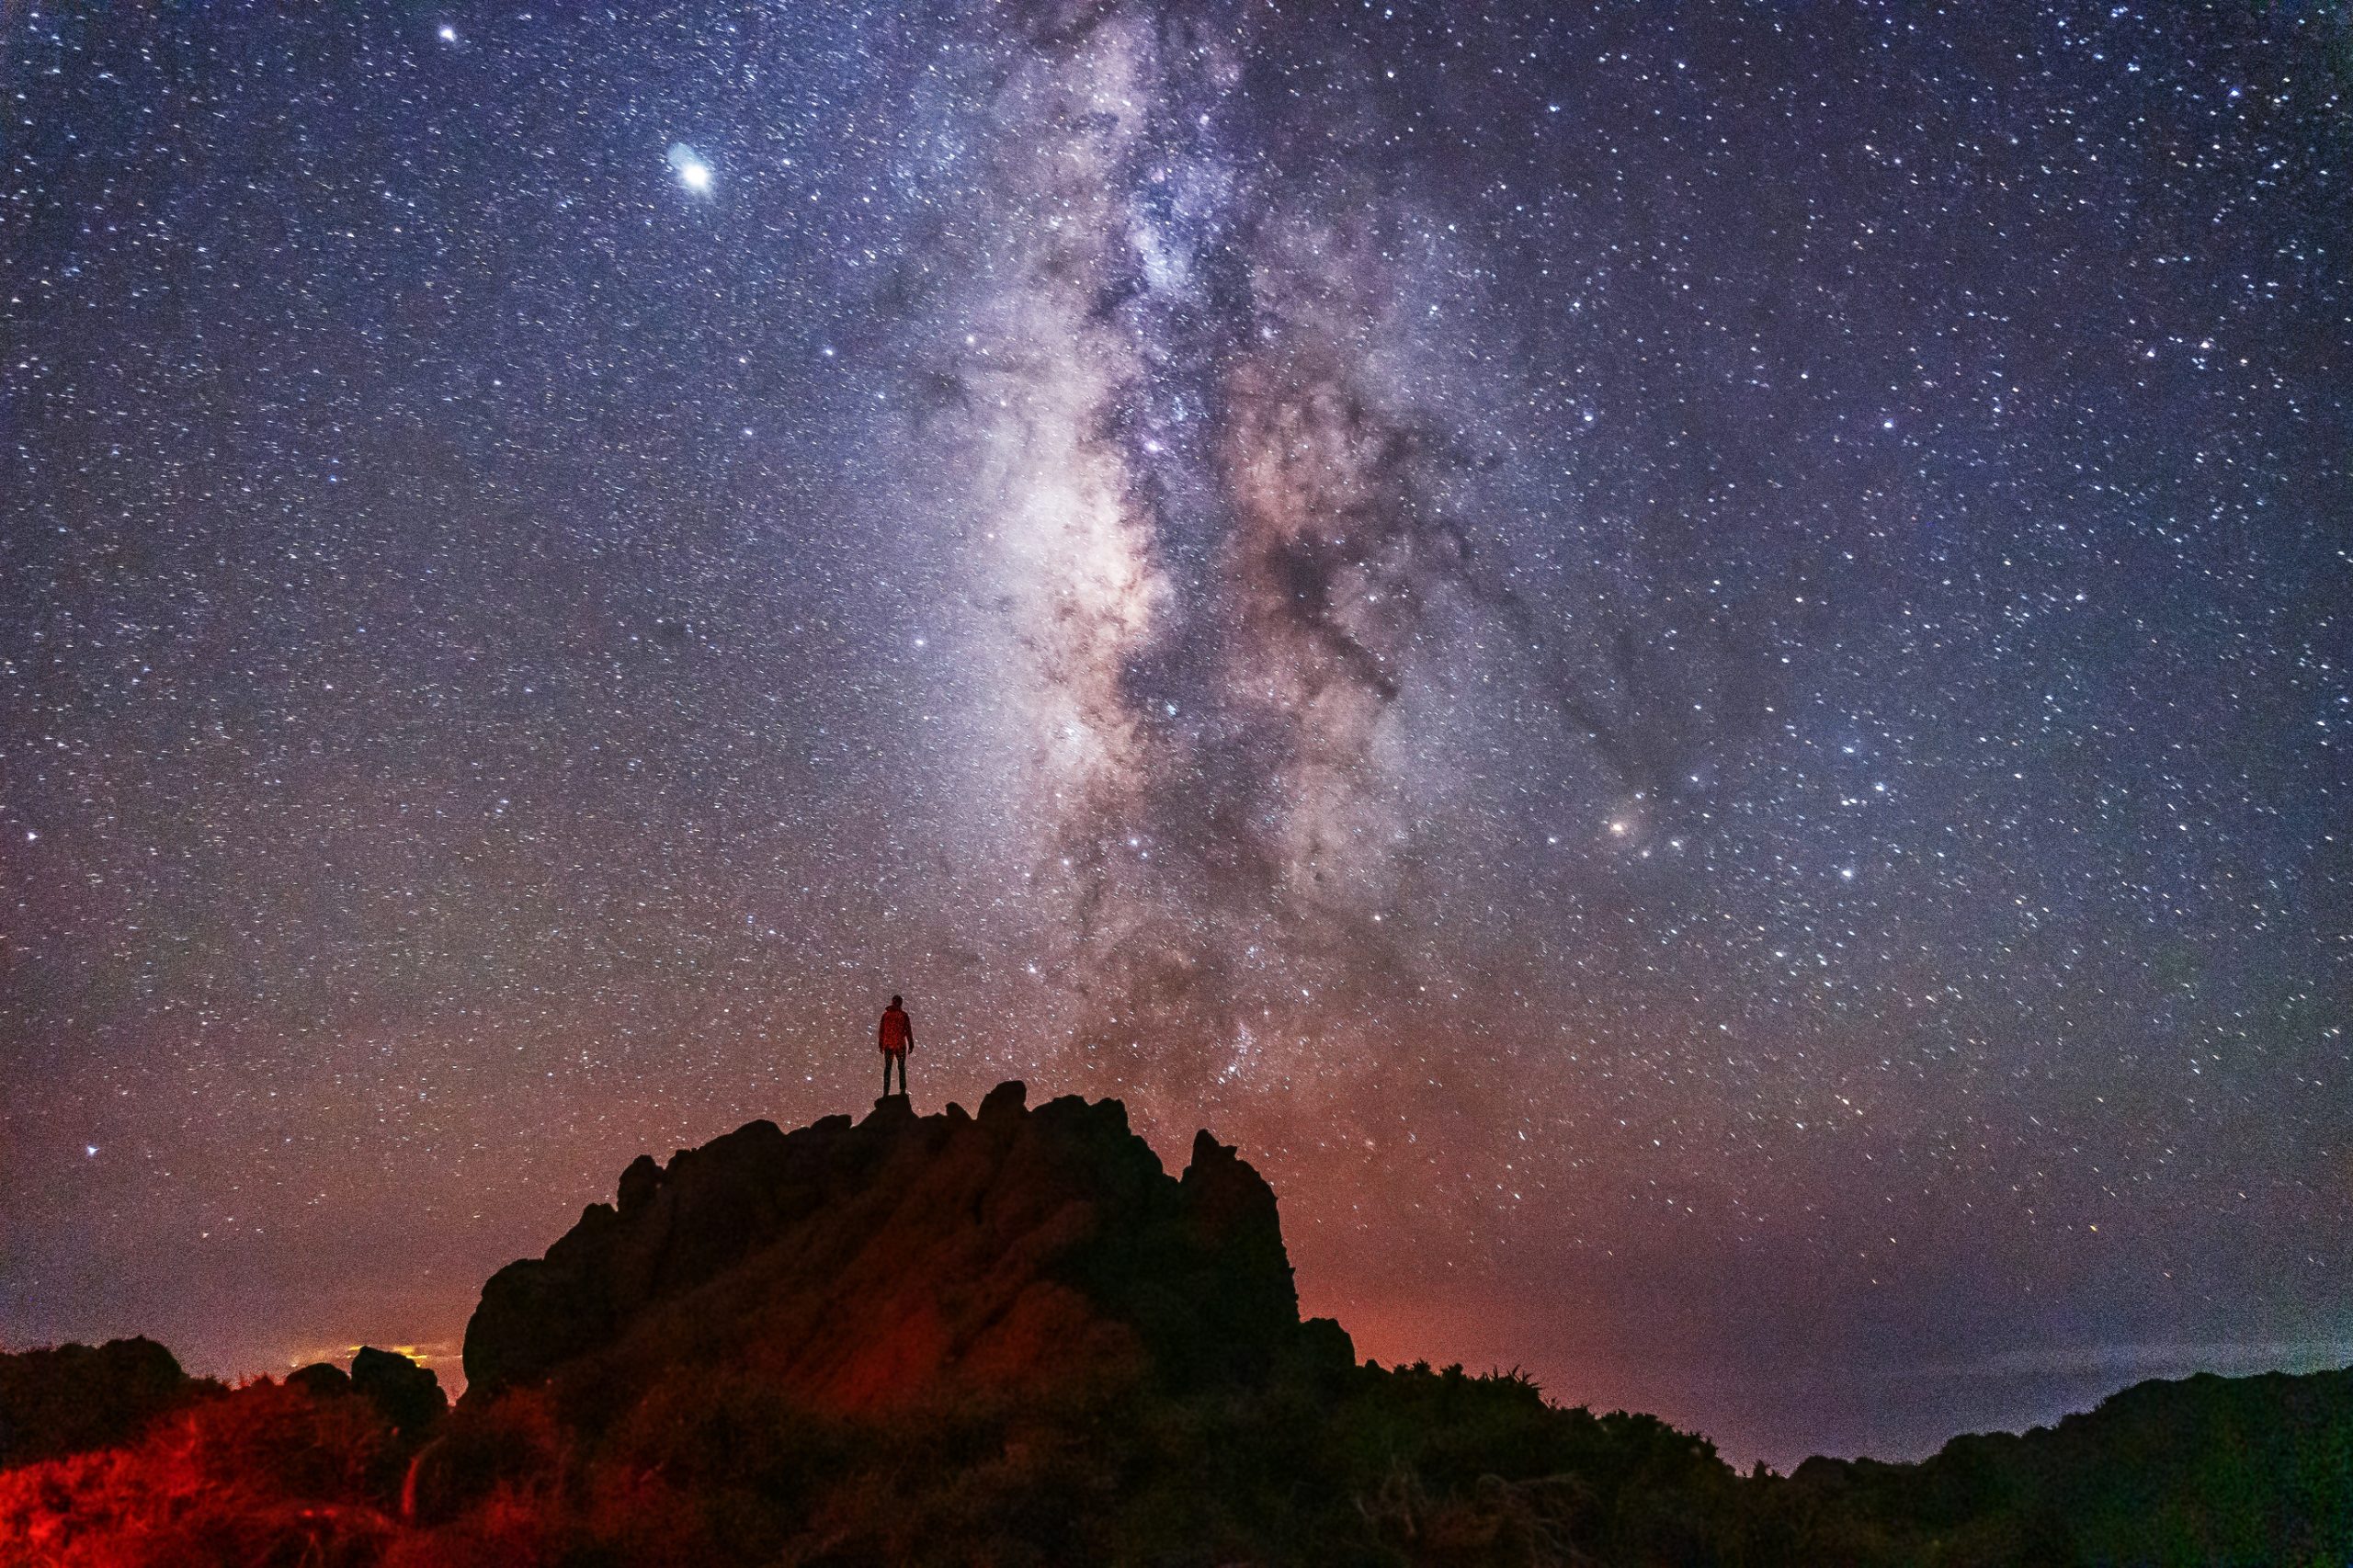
(898, 1037)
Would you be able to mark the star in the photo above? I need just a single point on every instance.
(692, 170)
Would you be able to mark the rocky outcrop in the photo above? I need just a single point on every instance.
(1014, 1338)
(864, 1265)
(408, 1396)
(77, 1397)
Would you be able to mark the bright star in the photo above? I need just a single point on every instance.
(449, 33)
(693, 172)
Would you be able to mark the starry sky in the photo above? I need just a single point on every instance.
(1689, 662)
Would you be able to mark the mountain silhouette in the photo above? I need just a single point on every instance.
(859, 1267)
(1015, 1338)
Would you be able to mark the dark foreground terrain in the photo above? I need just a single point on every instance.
(1014, 1338)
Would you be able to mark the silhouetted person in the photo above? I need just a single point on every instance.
(898, 1037)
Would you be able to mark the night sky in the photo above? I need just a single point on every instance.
(1689, 663)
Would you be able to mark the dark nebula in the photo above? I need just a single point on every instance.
(1688, 664)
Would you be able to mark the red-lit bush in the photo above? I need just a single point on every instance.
(264, 1476)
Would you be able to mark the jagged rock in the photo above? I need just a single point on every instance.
(408, 1396)
(865, 1265)
(75, 1397)
(638, 1183)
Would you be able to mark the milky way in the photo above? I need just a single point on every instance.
(1687, 663)
(1233, 504)
(1211, 543)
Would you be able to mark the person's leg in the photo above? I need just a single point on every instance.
(886, 1074)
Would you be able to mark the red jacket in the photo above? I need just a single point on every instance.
(898, 1032)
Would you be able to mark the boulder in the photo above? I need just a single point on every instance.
(407, 1395)
(320, 1379)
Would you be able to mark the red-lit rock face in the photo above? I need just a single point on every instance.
(858, 1267)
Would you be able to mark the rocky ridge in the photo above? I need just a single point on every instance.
(1015, 1338)
(862, 1265)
